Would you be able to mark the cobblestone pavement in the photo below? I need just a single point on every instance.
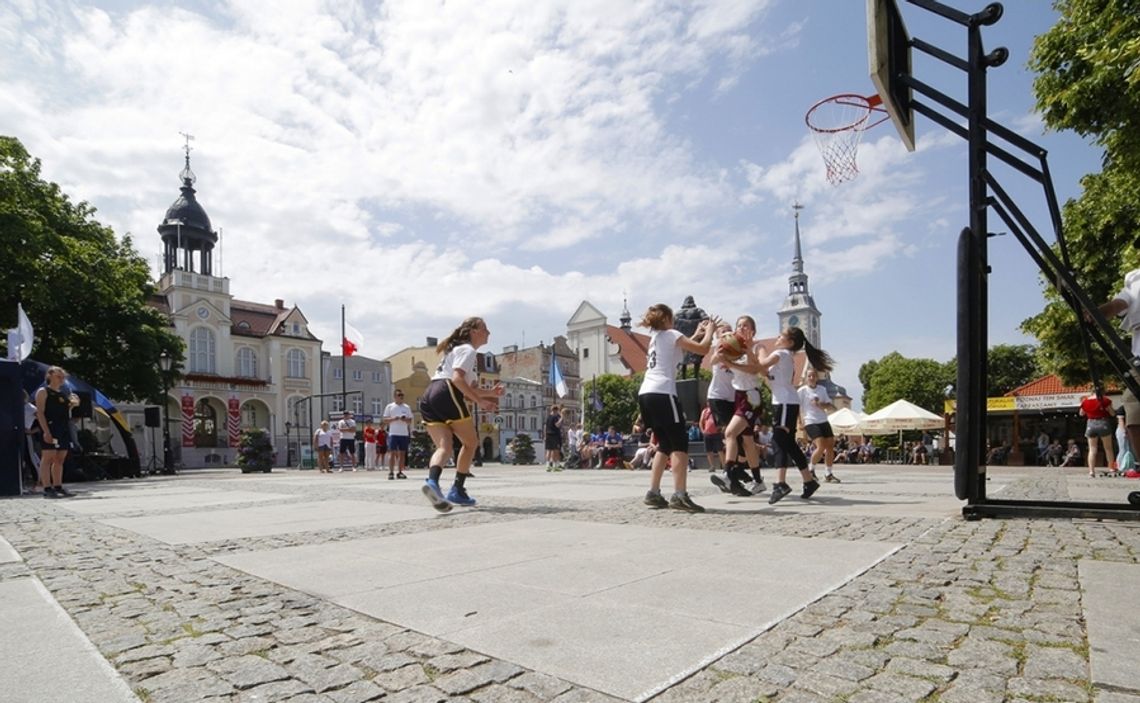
(967, 612)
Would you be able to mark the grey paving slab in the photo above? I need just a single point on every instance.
(260, 521)
(45, 656)
(8, 555)
(1113, 631)
(622, 609)
(151, 500)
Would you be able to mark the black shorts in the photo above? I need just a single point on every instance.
(61, 437)
(554, 442)
(662, 413)
(347, 446)
(785, 416)
(821, 430)
(442, 404)
(721, 411)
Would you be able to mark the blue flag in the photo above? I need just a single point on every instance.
(556, 379)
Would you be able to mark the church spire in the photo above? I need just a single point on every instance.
(626, 318)
(798, 258)
(799, 308)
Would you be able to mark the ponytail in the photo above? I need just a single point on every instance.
(820, 360)
(460, 335)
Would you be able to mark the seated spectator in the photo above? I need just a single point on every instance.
(999, 455)
(1072, 454)
(1055, 454)
(919, 454)
(694, 432)
(643, 458)
(612, 447)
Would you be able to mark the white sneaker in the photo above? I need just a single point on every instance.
(757, 487)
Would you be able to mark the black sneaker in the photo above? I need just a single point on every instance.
(391, 477)
(809, 488)
(737, 489)
(779, 492)
(49, 492)
(655, 500)
(684, 502)
(62, 492)
(719, 482)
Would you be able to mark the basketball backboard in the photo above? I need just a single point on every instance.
(888, 50)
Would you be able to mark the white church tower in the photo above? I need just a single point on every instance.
(799, 308)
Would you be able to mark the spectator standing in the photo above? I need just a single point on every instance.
(347, 427)
(369, 436)
(322, 440)
(714, 440)
(53, 413)
(334, 446)
(398, 418)
(1125, 457)
(1043, 448)
(1098, 409)
(553, 439)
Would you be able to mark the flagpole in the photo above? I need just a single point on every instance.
(343, 363)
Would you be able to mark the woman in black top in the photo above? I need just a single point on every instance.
(53, 411)
(554, 439)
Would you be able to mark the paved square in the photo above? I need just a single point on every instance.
(174, 499)
(1112, 629)
(622, 609)
(213, 525)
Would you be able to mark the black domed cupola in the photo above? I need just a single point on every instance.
(186, 229)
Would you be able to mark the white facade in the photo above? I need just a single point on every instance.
(586, 332)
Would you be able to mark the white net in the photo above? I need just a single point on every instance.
(837, 124)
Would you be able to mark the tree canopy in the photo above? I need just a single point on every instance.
(1088, 80)
(84, 290)
(921, 381)
(618, 395)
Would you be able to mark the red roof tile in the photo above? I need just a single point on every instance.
(1051, 385)
(632, 347)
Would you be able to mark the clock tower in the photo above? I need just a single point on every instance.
(799, 308)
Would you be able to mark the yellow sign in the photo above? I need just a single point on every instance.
(1010, 403)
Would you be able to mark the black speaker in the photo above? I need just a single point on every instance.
(84, 409)
(11, 427)
(688, 393)
(153, 417)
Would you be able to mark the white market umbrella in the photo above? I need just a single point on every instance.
(846, 421)
(901, 415)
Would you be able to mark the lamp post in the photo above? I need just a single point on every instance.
(167, 460)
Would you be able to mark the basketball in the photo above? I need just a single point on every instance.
(731, 345)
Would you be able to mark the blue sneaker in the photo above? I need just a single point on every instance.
(431, 490)
(458, 495)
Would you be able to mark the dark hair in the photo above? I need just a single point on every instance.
(818, 358)
(751, 322)
(460, 335)
(656, 316)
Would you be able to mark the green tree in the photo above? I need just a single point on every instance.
(84, 290)
(921, 381)
(1010, 366)
(1088, 80)
(618, 395)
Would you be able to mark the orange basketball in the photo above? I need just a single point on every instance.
(731, 345)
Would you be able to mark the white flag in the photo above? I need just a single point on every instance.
(22, 337)
(556, 379)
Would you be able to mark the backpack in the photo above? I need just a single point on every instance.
(708, 424)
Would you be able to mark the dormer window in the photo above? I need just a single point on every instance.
(243, 325)
(296, 328)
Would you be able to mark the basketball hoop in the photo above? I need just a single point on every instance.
(837, 124)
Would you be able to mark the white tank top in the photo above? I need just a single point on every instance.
(780, 379)
(720, 387)
(661, 363)
(460, 357)
(812, 413)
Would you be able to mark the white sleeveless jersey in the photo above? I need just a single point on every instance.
(460, 357)
(720, 388)
(744, 381)
(661, 363)
(780, 379)
(809, 411)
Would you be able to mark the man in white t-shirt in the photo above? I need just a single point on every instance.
(399, 418)
(347, 427)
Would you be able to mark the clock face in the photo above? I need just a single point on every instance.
(794, 321)
(203, 312)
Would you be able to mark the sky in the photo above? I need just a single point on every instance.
(421, 162)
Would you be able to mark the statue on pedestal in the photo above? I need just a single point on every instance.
(686, 320)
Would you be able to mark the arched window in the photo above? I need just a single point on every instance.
(205, 425)
(202, 351)
(295, 364)
(507, 398)
(246, 363)
(534, 403)
(534, 423)
(249, 415)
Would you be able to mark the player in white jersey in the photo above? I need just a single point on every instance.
(660, 409)
(814, 403)
(443, 407)
(738, 433)
(780, 367)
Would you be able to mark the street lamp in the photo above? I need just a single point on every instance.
(166, 361)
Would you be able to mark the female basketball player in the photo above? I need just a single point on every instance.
(814, 402)
(779, 367)
(445, 412)
(657, 400)
(745, 413)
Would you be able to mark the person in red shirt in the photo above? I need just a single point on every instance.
(369, 446)
(1098, 409)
